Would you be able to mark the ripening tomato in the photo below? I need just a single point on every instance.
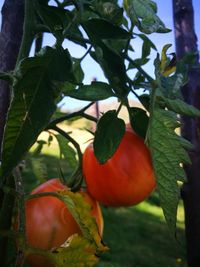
(49, 223)
(126, 179)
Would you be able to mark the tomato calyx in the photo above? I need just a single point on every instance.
(75, 181)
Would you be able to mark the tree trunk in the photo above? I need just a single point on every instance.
(186, 41)
(10, 40)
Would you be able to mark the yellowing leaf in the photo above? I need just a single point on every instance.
(166, 67)
(78, 253)
(81, 211)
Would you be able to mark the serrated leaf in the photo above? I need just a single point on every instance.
(180, 107)
(139, 121)
(93, 92)
(168, 152)
(143, 14)
(109, 133)
(34, 102)
(81, 211)
(104, 29)
(77, 252)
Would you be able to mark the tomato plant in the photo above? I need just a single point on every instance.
(126, 178)
(49, 223)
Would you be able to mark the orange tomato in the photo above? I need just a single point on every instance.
(49, 223)
(127, 178)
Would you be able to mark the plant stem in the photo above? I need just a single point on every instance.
(72, 115)
(28, 30)
(144, 73)
(22, 218)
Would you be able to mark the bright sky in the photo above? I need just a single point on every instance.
(92, 69)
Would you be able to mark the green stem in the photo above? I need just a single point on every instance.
(22, 218)
(73, 115)
(86, 53)
(28, 30)
(143, 72)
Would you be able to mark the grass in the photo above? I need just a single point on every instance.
(136, 236)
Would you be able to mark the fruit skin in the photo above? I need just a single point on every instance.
(126, 179)
(49, 223)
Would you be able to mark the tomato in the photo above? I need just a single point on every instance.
(49, 223)
(127, 178)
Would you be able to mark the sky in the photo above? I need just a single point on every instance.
(93, 70)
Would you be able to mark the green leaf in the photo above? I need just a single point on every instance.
(58, 20)
(180, 107)
(103, 29)
(54, 18)
(66, 151)
(147, 45)
(145, 100)
(139, 121)
(137, 62)
(143, 14)
(93, 92)
(34, 102)
(47, 59)
(39, 168)
(78, 74)
(168, 151)
(111, 12)
(109, 133)
(114, 70)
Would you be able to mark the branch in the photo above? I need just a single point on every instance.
(144, 73)
(22, 218)
(72, 115)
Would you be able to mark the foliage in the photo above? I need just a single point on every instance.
(105, 30)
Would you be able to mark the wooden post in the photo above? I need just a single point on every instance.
(186, 41)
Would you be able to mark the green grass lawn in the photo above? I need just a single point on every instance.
(136, 236)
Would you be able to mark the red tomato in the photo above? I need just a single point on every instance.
(127, 178)
(49, 223)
